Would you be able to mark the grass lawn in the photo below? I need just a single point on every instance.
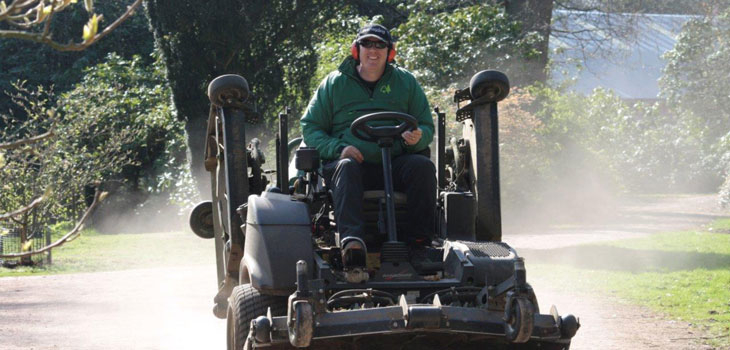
(685, 275)
(101, 252)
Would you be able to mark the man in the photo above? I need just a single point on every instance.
(365, 83)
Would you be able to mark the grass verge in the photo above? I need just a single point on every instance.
(685, 275)
(101, 252)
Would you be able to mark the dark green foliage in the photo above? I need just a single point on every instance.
(82, 153)
(40, 65)
(270, 43)
(695, 78)
(680, 145)
(284, 48)
(115, 127)
(636, 147)
(449, 47)
(130, 95)
(570, 153)
(696, 86)
(684, 7)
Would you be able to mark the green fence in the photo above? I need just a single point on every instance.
(10, 244)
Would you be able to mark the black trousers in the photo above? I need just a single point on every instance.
(413, 174)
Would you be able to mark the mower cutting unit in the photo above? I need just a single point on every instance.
(282, 283)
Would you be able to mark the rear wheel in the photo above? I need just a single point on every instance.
(491, 84)
(481, 135)
(244, 305)
(227, 89)
(230, 190)
(201, 220)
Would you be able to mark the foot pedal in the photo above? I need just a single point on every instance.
(356, 275)
(394, 252)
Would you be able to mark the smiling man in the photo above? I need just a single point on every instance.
(364, 83)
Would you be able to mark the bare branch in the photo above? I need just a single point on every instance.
(563, 5)
(23, 210)
(43, 39)
(16, 221)
(47, 25)
(34, 139)
(73, 233)
(15, 7)
(573, 32)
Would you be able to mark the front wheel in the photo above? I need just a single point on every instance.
(518, 328)
(244, 305)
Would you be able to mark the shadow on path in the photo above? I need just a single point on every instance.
(626, 259)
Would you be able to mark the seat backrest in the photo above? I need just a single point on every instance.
(374, 210)
(399, 198)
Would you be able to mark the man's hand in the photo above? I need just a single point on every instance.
(412, 137)
(351, 152)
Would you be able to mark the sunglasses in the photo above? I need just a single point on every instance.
(369, 44)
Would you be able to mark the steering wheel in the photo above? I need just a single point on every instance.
(365, 132)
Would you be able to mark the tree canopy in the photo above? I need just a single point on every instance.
(270, 43)
(39, 64)
(696, 84)
(284, 48)
(31, 20)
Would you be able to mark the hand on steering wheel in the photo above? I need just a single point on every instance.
(412, 137)
(365, 132)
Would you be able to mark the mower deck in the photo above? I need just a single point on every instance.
(404, 318)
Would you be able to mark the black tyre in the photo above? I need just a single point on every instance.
(245, 304)
(491, 84)
(201, 220)
(569, 325)
(230, 187)
(518, 328)
(228, 89)
(532, 297)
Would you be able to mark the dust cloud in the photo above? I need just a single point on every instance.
(155, 214)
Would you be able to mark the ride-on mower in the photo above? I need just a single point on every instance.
(281, 278)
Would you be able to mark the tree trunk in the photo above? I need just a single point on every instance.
(536, 16)
(267, 42)
(26, 261)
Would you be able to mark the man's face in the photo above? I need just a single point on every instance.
(373, 53)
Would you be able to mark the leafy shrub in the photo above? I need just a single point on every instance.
(41, 65)
(695, 83)
(724, 149)
(130, 95)
(639, 147)
(524, 151)
(444, 47)
(71, 155)
(116, 129)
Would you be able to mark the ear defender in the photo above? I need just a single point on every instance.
(355, 50)
(391, 53)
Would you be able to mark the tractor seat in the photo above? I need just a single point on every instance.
(374, 216)
(373, 208)
(399, 198)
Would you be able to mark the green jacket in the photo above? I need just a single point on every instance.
(342, 97)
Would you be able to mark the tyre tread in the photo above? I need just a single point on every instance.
(247, 303)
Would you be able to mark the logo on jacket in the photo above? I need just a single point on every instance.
(385, 89)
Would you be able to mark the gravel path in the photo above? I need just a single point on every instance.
(165, 308)
(607, 323)
(170, 308)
